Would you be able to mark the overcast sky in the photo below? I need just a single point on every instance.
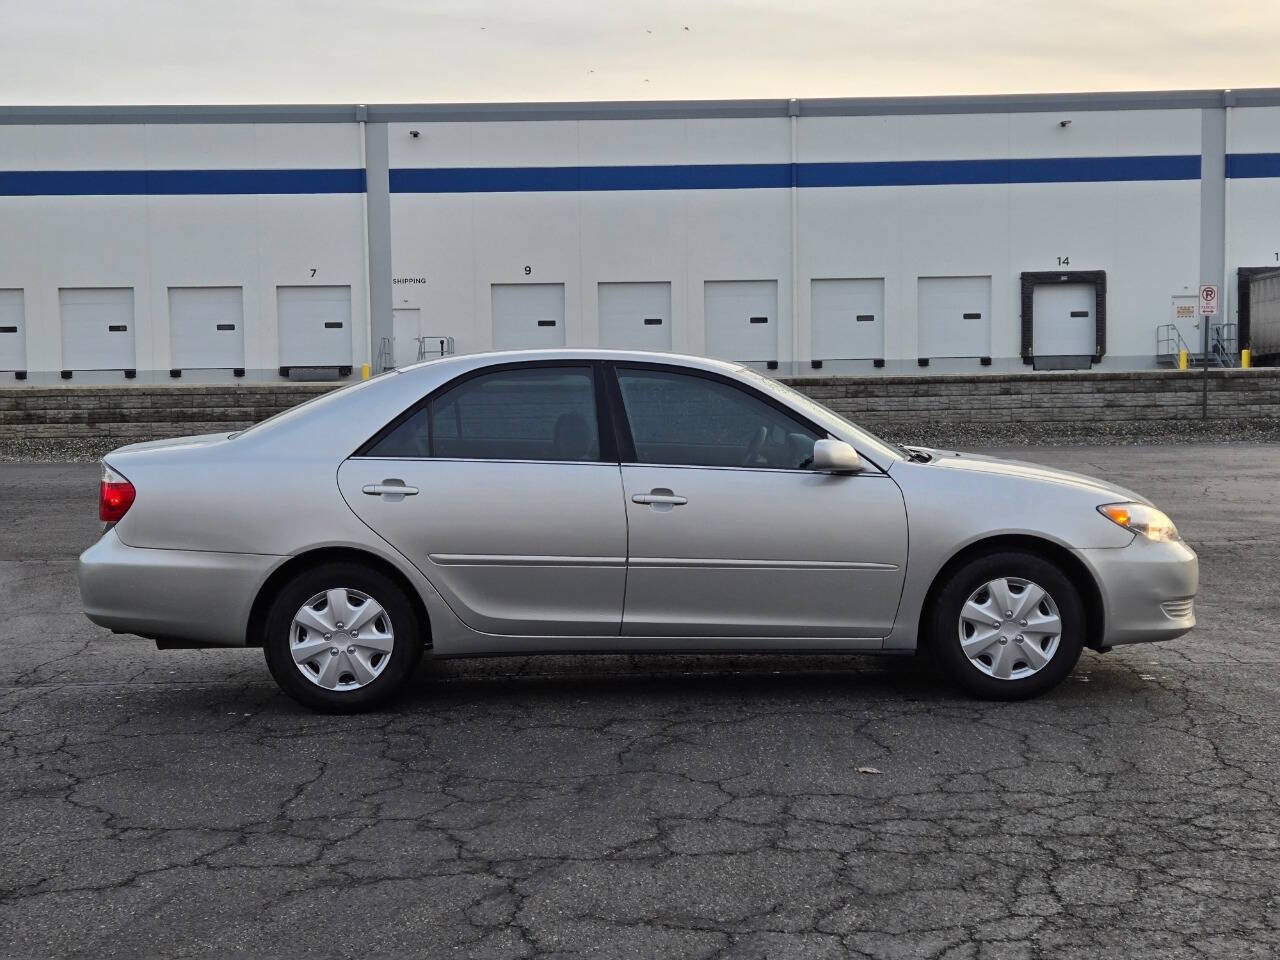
(376, 51)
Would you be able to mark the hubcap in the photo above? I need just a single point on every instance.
(341, 639)
(1010, 628)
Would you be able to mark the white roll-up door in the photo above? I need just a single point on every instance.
(847, 319)
(97, 328)
(635, 316)
(954, 317)
(315, 326)
(206, 328)
(405, 332)
(13, 331)
(742, 319)
(528, 315)
(1064, 320)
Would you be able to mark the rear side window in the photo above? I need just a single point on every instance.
(532, 413)
(684, 420)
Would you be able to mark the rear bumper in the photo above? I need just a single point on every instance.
(1147, 590)
(176, 597)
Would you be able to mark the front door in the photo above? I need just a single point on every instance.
(508, 508)
(731, 535)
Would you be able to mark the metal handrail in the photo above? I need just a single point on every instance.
(1225, 341)
(386, 356)
(441, 347)
(1169, 341)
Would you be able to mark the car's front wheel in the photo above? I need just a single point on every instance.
(342, 638)
(1007, 626)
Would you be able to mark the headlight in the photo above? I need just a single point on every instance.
(1141, 519)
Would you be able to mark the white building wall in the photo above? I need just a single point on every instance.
(150, 243)
(1253, 204)
(1143, 233)
(449, 249)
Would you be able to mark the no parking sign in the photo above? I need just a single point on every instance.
(1208, 300)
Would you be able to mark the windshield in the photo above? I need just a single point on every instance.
(824, 415)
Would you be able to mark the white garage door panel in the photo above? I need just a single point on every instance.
(742, 319)
(405, 333)
(635, 316)
(97, 328)
(954, 316)
(13, 331)
(847, 319)
(206, 327)
(315, 326)
(528, 315)
(1063, 320)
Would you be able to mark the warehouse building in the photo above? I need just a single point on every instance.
(808, 237)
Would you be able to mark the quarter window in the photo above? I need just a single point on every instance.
(529, 413)
(695, 421)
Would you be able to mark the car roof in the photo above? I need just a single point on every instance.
(471, 361)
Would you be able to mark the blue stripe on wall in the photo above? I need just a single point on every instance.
(740, 176)
(1252, 165)
(729, 176)
(110, 183)
(1032, 170)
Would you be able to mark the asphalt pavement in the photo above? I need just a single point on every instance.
(175, 804)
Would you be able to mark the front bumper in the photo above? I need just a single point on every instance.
(1147, 590)
(176, 597)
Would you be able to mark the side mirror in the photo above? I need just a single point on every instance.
(835, 456)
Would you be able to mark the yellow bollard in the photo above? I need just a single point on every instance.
(364, 371)
(1246, 358)
(1182, 359)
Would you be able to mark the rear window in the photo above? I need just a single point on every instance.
(530, 413)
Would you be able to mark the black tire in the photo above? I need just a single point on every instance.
(406, 628)
(943, 625)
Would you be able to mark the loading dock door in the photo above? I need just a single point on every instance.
(13, 331)
(97, 328)
(315, 326)
(404, 334)
(635, 316)
(1064, 321)
(528, 315)
(206, 327)
(954, 317)
(847, 319)
(742, 319)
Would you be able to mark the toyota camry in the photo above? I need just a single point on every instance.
(599, 501)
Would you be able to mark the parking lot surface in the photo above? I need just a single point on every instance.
(175, 804)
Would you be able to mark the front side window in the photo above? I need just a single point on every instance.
(530, 413)
(679, 419)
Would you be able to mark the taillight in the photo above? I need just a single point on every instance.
(115, 496)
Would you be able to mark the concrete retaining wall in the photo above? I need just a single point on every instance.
(143, 412)
(1067, 398)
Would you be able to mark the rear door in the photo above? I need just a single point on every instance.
(13, 351)
(1063, 322)
(97, 328)
(502, 489)
(731, 535)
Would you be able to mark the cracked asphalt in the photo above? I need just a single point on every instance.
(174, 804)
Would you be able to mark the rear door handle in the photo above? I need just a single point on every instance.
(392, 489)
(660, 497)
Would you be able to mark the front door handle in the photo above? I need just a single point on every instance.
(660, 498)
(392, 489)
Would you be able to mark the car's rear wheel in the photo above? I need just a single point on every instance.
(342, 638)
(1007, 626)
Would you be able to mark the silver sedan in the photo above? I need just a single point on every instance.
(599, 501)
